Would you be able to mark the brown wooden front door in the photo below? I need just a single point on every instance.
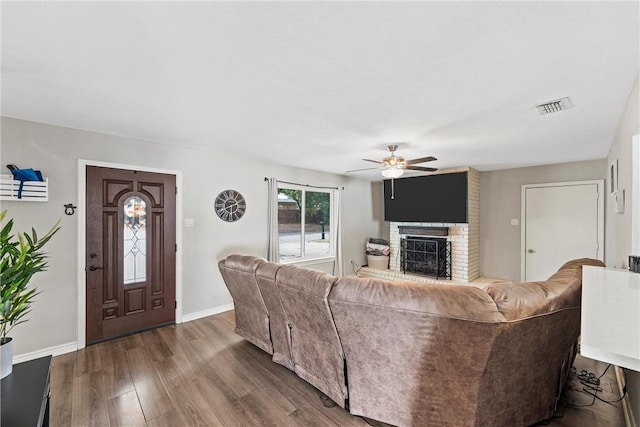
(130, 254)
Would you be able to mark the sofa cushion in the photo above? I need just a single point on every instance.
(278, 323)
(455, 301)
(252, 318)
(315, 347)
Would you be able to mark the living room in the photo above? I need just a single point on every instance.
(105, 121)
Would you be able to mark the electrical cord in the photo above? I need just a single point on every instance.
(355, 267)
(591, 386)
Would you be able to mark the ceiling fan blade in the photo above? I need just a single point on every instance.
(420, 160)
(421, 168)
(372, 161)
(360, 170)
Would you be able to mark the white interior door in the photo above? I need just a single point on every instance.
(560, 222)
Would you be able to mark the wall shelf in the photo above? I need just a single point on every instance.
(32, 191)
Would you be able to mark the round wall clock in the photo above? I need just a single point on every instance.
(230, 205)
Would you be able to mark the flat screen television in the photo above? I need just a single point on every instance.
(431, 198)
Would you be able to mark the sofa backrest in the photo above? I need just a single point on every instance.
(519, 300)
(563, 290)
(413, 351)
(252, 318)
(315, 347)
(527, 368)
(533, 353)
(497, 354)
(278, 323)
(579, 263)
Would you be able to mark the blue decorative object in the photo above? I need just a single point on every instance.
(23, 175)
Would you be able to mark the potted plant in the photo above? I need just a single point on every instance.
(22, 257)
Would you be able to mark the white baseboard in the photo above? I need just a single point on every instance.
(53, 351)
(626, 404)
(208, 312)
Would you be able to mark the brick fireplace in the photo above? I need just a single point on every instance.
(464, 240)
(464, 260)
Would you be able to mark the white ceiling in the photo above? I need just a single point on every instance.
(323, 85)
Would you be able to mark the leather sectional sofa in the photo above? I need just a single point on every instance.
(411, 354)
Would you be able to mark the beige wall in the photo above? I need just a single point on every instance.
(56, 150)
(618, 227)
(500, 202)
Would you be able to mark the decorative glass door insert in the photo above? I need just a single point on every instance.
(135, 241)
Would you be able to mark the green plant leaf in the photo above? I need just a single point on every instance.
(21, 257)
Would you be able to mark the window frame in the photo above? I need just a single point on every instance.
(305, 260)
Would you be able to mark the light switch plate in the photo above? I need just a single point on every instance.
(189, 222)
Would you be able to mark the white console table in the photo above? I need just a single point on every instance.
(611, 316)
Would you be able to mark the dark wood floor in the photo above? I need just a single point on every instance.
(201, 374)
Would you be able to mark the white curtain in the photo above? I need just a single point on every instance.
(338, 267)
(273, 251)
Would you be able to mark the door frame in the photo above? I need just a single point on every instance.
(82, 237)
(523, 216)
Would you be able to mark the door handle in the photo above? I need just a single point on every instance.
(530, 251)
(94, 268)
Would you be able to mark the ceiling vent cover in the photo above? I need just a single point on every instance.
(554, 106)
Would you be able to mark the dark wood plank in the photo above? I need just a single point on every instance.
(171, 418)
(117, 377)
(152, 394)
(89, 403)
(62, 368)
(201, 374)
(226, 408)
(125, 411)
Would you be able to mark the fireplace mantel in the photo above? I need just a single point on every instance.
(413, 230)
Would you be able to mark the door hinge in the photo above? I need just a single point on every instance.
(176, 247)
(176, 304)
(176, 190)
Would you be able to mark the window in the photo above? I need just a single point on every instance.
(304, 223)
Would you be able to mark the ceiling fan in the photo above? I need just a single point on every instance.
(394, 166)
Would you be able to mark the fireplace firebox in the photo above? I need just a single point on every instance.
(426, 255)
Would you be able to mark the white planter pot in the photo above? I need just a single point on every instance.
(6, 358)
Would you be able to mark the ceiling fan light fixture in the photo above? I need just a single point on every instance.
(392, 172)
(393, 166)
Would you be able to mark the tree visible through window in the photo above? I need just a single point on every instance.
(304, 223)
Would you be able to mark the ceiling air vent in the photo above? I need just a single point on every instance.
(554, 106)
